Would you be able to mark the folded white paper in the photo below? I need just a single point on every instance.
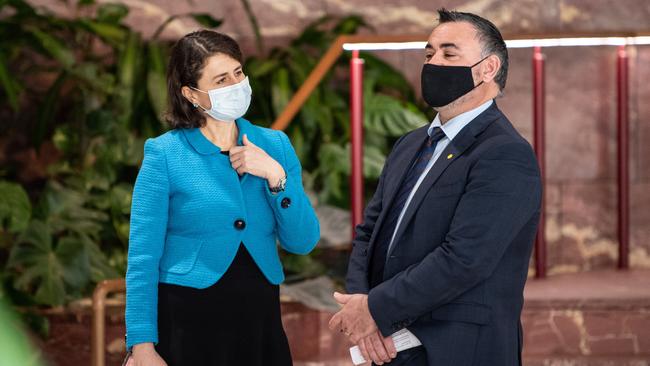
(403, 340)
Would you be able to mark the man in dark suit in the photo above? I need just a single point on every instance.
(444, 247)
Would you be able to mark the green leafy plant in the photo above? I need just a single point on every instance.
(15, 208)
(81, 94)
(15, 213)
(105, 92)
(320, 133)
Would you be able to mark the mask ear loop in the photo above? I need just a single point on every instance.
(197, 105)
(483, 59)
(205, 92)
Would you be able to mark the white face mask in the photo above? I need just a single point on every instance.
(230, 102)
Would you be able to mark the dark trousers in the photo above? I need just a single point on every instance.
(411, 357)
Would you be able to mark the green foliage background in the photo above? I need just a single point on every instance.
(78, 97)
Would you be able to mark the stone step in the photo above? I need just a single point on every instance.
(589, 361)
(585, 319)
(588, 318)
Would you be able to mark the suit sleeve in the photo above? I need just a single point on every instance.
(356, 281)
(149, 212)
(297, 225)
(503, 194)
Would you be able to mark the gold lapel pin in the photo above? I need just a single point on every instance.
(450, 156)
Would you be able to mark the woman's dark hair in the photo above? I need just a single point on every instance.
(188, 57)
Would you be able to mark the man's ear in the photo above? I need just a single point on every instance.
(489, 68)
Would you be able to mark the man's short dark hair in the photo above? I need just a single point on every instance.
(488, 35)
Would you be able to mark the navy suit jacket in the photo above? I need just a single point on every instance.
(456, 271)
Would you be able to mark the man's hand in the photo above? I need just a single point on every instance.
(354, 318)
(378, 348)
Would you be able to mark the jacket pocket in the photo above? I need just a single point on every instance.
(466, 312)
(180, 254)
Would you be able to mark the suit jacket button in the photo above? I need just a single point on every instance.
(286, 202)
(240, 224)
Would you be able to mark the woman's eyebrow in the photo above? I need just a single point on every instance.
(220, 75)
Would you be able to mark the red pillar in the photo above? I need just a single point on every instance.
(623, 158)
(539, 142)
(356, 128)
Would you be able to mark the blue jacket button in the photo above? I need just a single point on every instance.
(240, 224)
(286, 202)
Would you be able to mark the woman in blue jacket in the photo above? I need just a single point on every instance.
(210, 200)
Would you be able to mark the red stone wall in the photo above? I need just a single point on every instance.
(581, 132)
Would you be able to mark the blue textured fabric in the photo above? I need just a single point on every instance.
(186, 200)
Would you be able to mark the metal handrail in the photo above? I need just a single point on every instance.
(336, 49)
(98, 335)
(324, 65)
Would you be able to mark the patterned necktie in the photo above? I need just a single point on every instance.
(388, 226)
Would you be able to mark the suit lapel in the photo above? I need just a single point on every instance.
(465, 138)
(394, 178)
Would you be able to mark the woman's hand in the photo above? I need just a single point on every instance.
(144, 354)
(253, 160)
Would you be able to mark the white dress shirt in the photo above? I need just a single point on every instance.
(451, 129)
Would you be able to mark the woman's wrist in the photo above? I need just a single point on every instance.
(275, 176)
(143, 347)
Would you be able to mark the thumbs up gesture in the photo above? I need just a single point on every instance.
(252, 159)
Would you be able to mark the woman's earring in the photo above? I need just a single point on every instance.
(195, 105)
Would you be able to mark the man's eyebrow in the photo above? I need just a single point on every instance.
(449, 45)
(444, 45)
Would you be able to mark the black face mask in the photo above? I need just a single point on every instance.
(442, 85)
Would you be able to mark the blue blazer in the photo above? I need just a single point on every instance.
(456, 271)
(191, 211)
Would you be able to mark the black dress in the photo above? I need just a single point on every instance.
(236, 321)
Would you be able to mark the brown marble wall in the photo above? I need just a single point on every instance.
(581, 125)
(588, 317)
